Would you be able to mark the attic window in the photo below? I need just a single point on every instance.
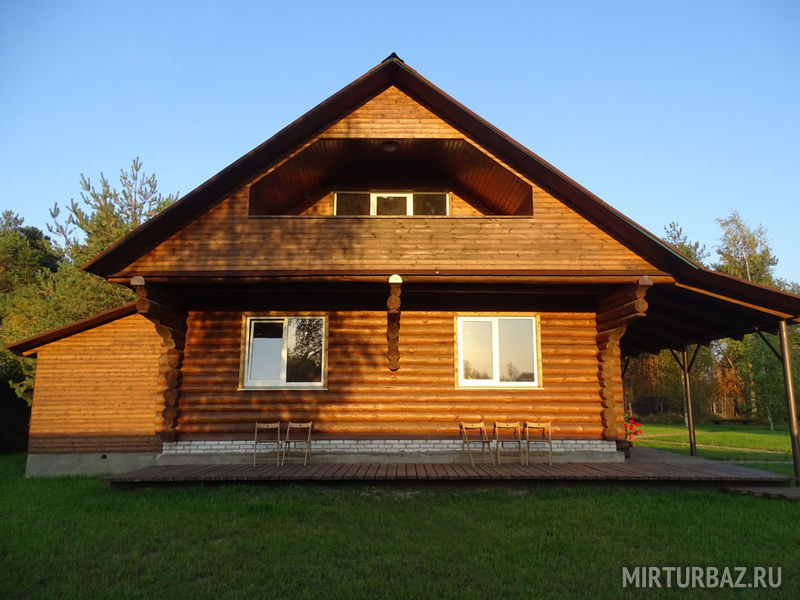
(391, 203)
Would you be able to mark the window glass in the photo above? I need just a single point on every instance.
(304, 355)
(266, 347)
(430, 204)
(352, 203)
(477, 350)
(516, 349)
(391, 205)
(497, 351)
(284, 352)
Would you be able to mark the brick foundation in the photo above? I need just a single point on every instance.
(378, 448)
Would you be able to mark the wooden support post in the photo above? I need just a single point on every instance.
(393, 322)
(687, 393)
(686, 367)
(625, 362)
(790, 399)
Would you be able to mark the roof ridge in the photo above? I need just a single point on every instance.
(393, 58)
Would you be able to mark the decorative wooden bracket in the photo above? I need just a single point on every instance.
(168, 314)
(614, 313)
(393, 322)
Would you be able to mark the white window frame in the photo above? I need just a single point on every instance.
(495, 382)
(373, 203)
(248, 383)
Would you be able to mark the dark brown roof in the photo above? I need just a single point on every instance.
(25, 346)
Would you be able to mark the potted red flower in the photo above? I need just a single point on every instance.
(632, 429)
(632, 426)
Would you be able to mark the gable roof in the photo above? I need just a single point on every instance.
(26, 346)
(394, 72)
(391, 72)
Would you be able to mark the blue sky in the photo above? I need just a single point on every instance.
(669, 111)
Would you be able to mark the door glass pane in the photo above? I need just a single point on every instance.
(391, 205)
(476, 345)
(304, 354)
(516, 349)
(352, 203)
(265, 351)
(430, 204)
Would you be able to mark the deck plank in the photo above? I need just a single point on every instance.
(669, 469)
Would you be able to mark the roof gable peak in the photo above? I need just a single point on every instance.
(393, 56)
(391, 72)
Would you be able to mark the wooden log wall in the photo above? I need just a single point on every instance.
(616, 311)
(95, 391)
(364, 397)
(168, 315)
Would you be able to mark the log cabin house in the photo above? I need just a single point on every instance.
(386, 266)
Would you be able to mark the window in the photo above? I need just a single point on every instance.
(284, 352)
(497, 352)
(391, 203)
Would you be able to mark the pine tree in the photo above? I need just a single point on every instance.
(106, 214)
(673, 233)
(42, 287)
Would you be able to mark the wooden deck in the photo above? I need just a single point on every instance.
(647, 466)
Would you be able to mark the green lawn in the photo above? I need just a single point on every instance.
(749, 445)
(756, 437)
(75, 537)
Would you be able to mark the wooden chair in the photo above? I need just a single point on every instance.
(544, 427)
(304, 440)
(475, 433)
(507, 433)
(276, 439)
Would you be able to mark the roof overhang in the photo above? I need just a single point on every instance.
(413, 163)
(679, 315)
(29, 346)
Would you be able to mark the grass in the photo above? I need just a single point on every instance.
(750, 445)
(754, 437)
(75, 537)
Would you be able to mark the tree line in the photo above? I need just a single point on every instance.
(41, 284)
(730, 378)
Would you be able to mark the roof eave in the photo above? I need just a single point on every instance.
(27, 346)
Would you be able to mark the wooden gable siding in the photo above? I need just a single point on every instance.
(365, 398)
(225, 239)
(391, 114)
(96, 391)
